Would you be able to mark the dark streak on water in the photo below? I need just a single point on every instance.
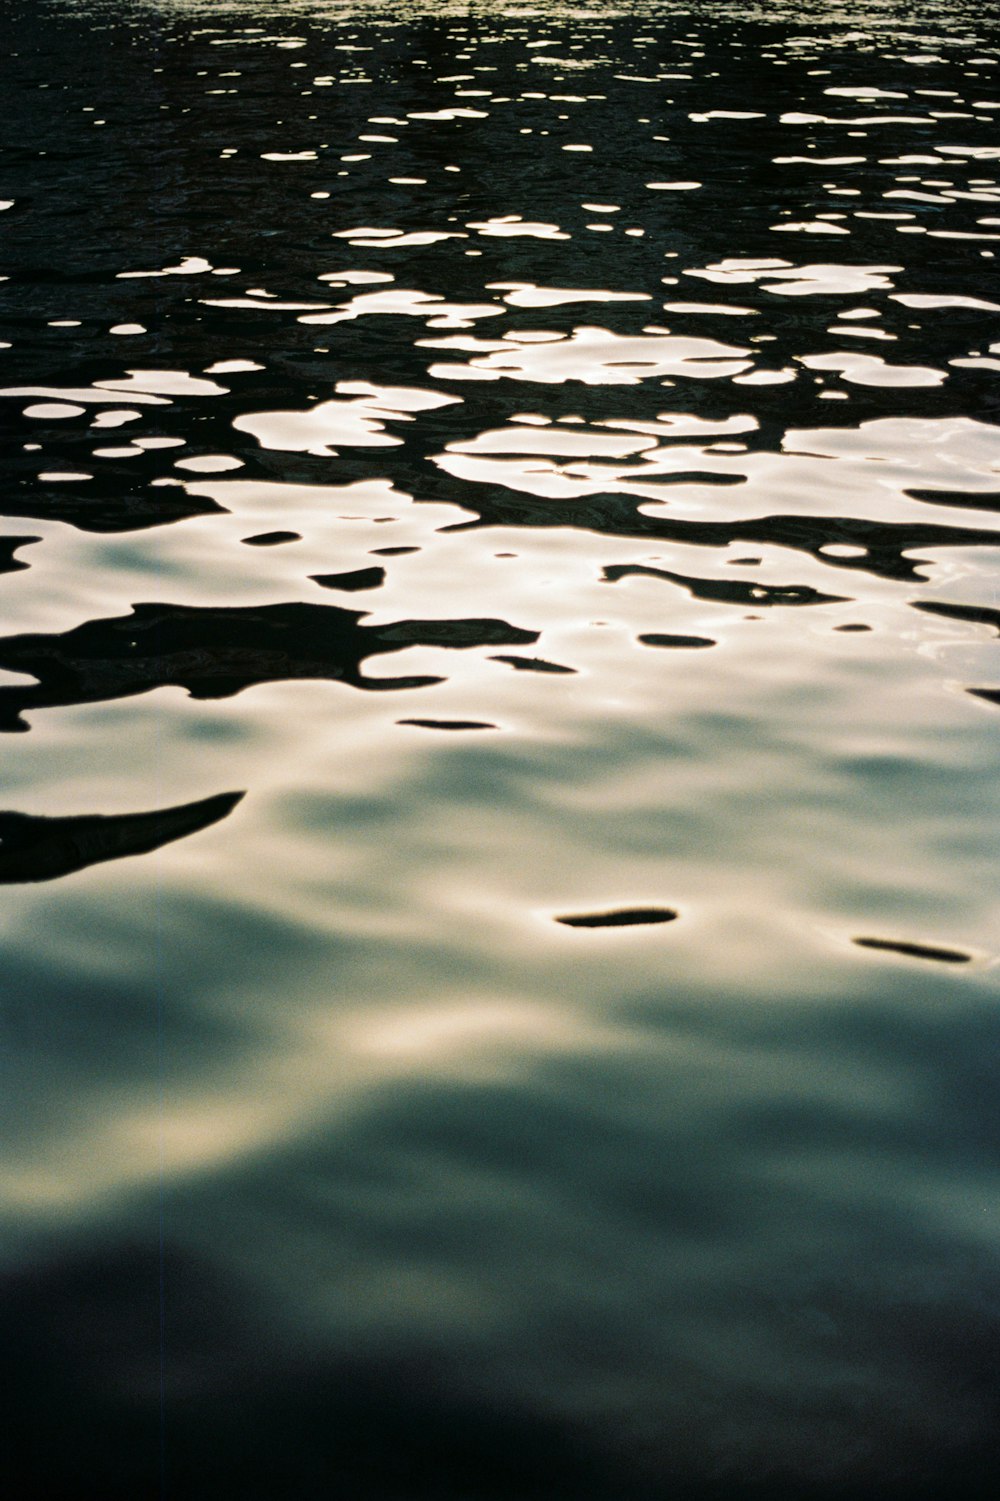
(329, 1169)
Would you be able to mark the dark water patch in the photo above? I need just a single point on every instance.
(882, 547)
(654, 638)
(624, 917)
(98, 508)
(377, 1425)
(731, 592)
(357, 578)
(852, 625)
(459, 633)
(41, 849)
(970, 500)
(271, 539)
(533, 664)
(915, 950)
(215, 653)
(974, 614)
(448, 724)
(701, 477)
(989, 695)
(392, 552)
(8, 548)
(403, 1421)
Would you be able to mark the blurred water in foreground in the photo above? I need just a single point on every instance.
(500, 684)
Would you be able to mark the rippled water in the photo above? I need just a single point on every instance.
(499, 678)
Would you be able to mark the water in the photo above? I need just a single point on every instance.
(499, 687)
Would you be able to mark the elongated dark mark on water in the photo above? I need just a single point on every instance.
(914, 950)
(448, 724)
(272, 539)
(654, 638)
(974, 614)
(624, 917)
(533, 664)
(358, 578)
(972, 500)
(727, 591)
(42, 849)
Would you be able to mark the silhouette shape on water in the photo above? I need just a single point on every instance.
(42, 849)
(215, 652)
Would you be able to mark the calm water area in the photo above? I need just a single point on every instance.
(499, 698)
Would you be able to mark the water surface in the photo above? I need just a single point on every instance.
(499, 679)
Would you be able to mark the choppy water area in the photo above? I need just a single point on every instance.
(499, 687)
